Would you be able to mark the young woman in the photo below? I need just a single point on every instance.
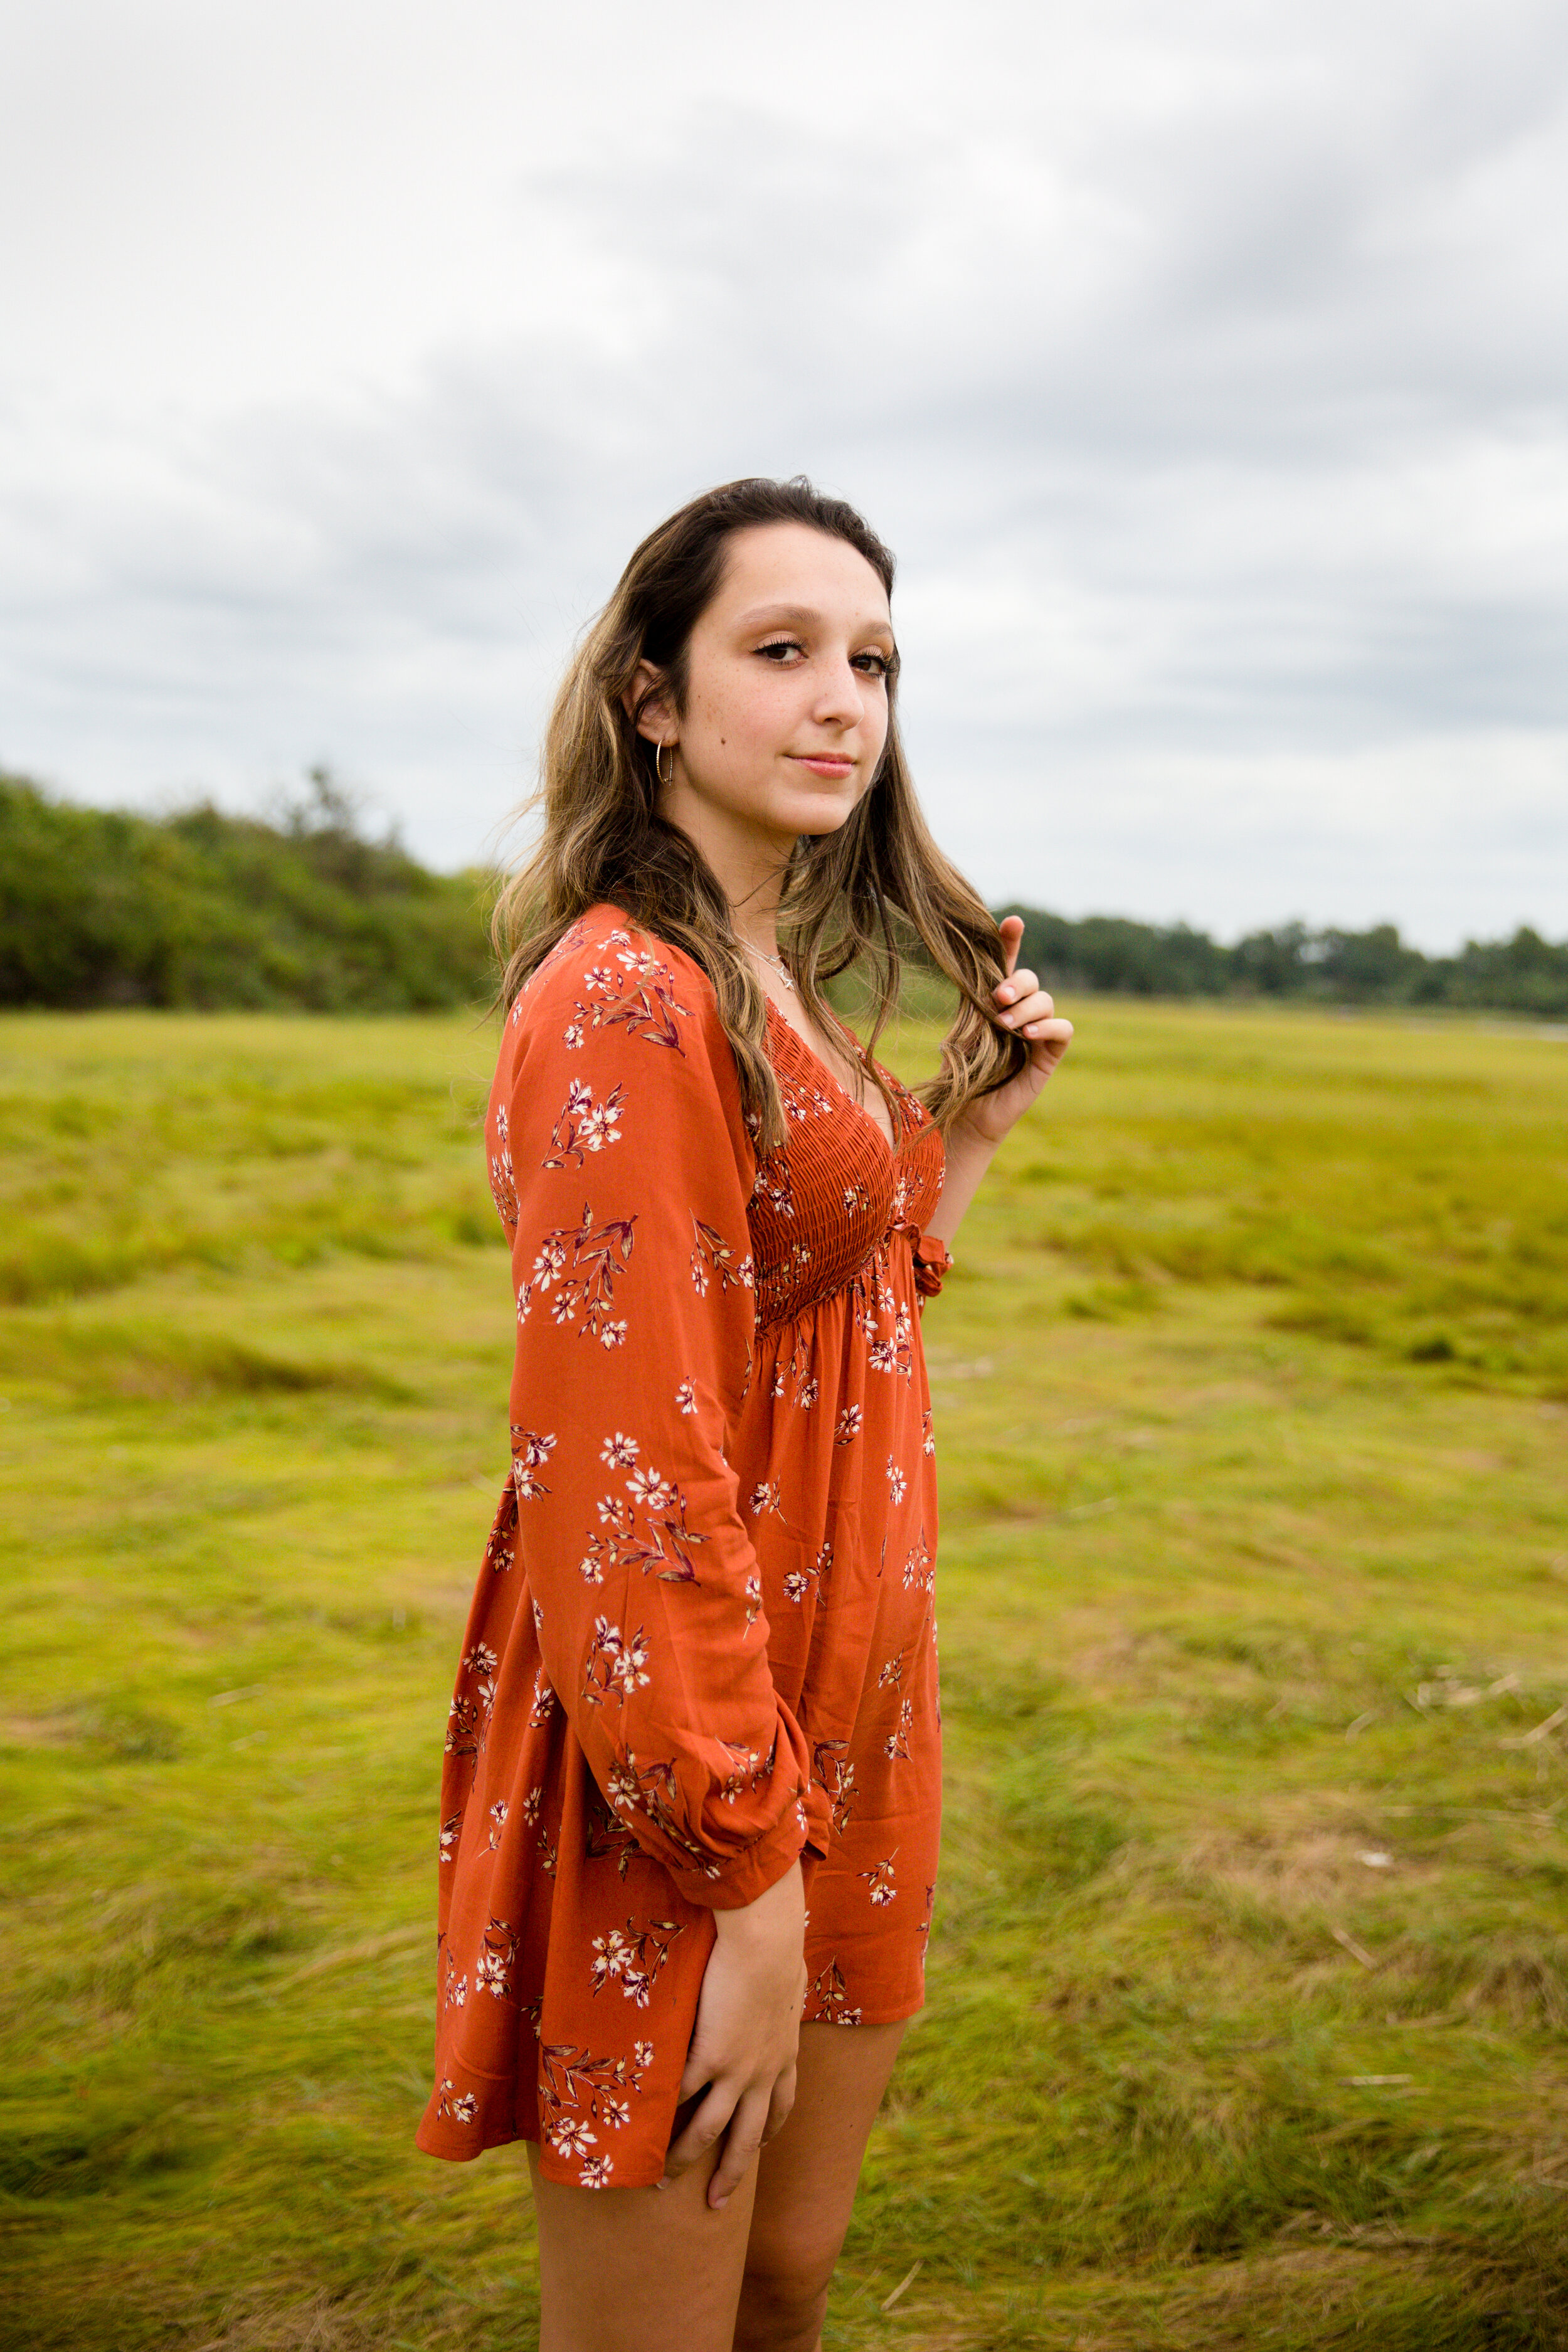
(693, 1778)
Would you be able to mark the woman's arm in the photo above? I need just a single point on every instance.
(623, 1167)
(1025, 1009)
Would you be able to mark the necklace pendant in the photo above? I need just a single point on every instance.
(775, 962)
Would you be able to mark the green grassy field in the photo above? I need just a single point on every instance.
(1250, 1970)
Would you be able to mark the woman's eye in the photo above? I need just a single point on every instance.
(783, 651)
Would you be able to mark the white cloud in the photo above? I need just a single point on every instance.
(1204, 367)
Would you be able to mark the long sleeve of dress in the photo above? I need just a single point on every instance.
(623, 1168)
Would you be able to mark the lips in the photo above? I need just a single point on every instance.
(824, 763)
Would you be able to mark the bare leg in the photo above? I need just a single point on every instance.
(640, 2270)
(805, 2183)
(653, 2270)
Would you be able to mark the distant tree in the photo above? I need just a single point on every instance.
(1524, 975)
(101, 906)
(1115, 956)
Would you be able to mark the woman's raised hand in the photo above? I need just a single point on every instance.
(1023, 1006)
(747, 2034)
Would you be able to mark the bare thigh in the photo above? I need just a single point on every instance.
(640, 2270)
(653, 2270)
(806, 2180)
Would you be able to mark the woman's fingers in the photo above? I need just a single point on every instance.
(779, 2106)
(1030, 1013)
(744, 2121)
(741, 2141)
(1016, 987)
(1047, 1045)
(697, 2074)
(703, 2127)
(1012, 930)
(1031, 1009)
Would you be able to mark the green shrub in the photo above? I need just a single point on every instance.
(102, 907)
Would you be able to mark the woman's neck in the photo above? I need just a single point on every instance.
(748, 862)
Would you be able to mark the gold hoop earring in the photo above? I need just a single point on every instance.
(658, 752)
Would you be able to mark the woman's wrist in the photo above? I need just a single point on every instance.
(966, 1155)
(966, 1146)
(776, 1907)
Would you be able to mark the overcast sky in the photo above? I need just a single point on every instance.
(1206, 366)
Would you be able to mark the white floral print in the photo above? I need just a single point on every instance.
(529, 1449)
(616, 1663)
(632, 1958)
(460, 2106)
(586, 1285)
(705, 1304)
(880, 1878)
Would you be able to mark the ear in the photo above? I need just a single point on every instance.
(657, 723)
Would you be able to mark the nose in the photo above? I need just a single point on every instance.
(840, 696)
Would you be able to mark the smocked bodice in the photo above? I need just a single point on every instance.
(829, 1198)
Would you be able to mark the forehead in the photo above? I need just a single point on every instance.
(791, 563)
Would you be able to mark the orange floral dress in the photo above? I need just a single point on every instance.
(702, 1643)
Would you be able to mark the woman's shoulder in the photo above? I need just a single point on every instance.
(609, 972)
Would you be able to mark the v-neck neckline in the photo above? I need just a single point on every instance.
(892, 1149)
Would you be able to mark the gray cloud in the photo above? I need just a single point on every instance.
(1206, 373)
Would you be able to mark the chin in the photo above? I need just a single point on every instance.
(815, 815)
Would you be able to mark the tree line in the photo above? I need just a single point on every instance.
(98, 907)
(1108, 954)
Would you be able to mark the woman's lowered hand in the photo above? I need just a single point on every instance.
(747, 2034)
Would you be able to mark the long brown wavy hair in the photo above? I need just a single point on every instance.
(859, 901)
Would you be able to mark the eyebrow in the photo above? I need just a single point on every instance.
(802, 617)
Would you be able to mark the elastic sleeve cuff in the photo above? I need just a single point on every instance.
(932, 1260)
(751, 1874)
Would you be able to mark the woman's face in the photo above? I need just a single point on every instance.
(786, 699)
